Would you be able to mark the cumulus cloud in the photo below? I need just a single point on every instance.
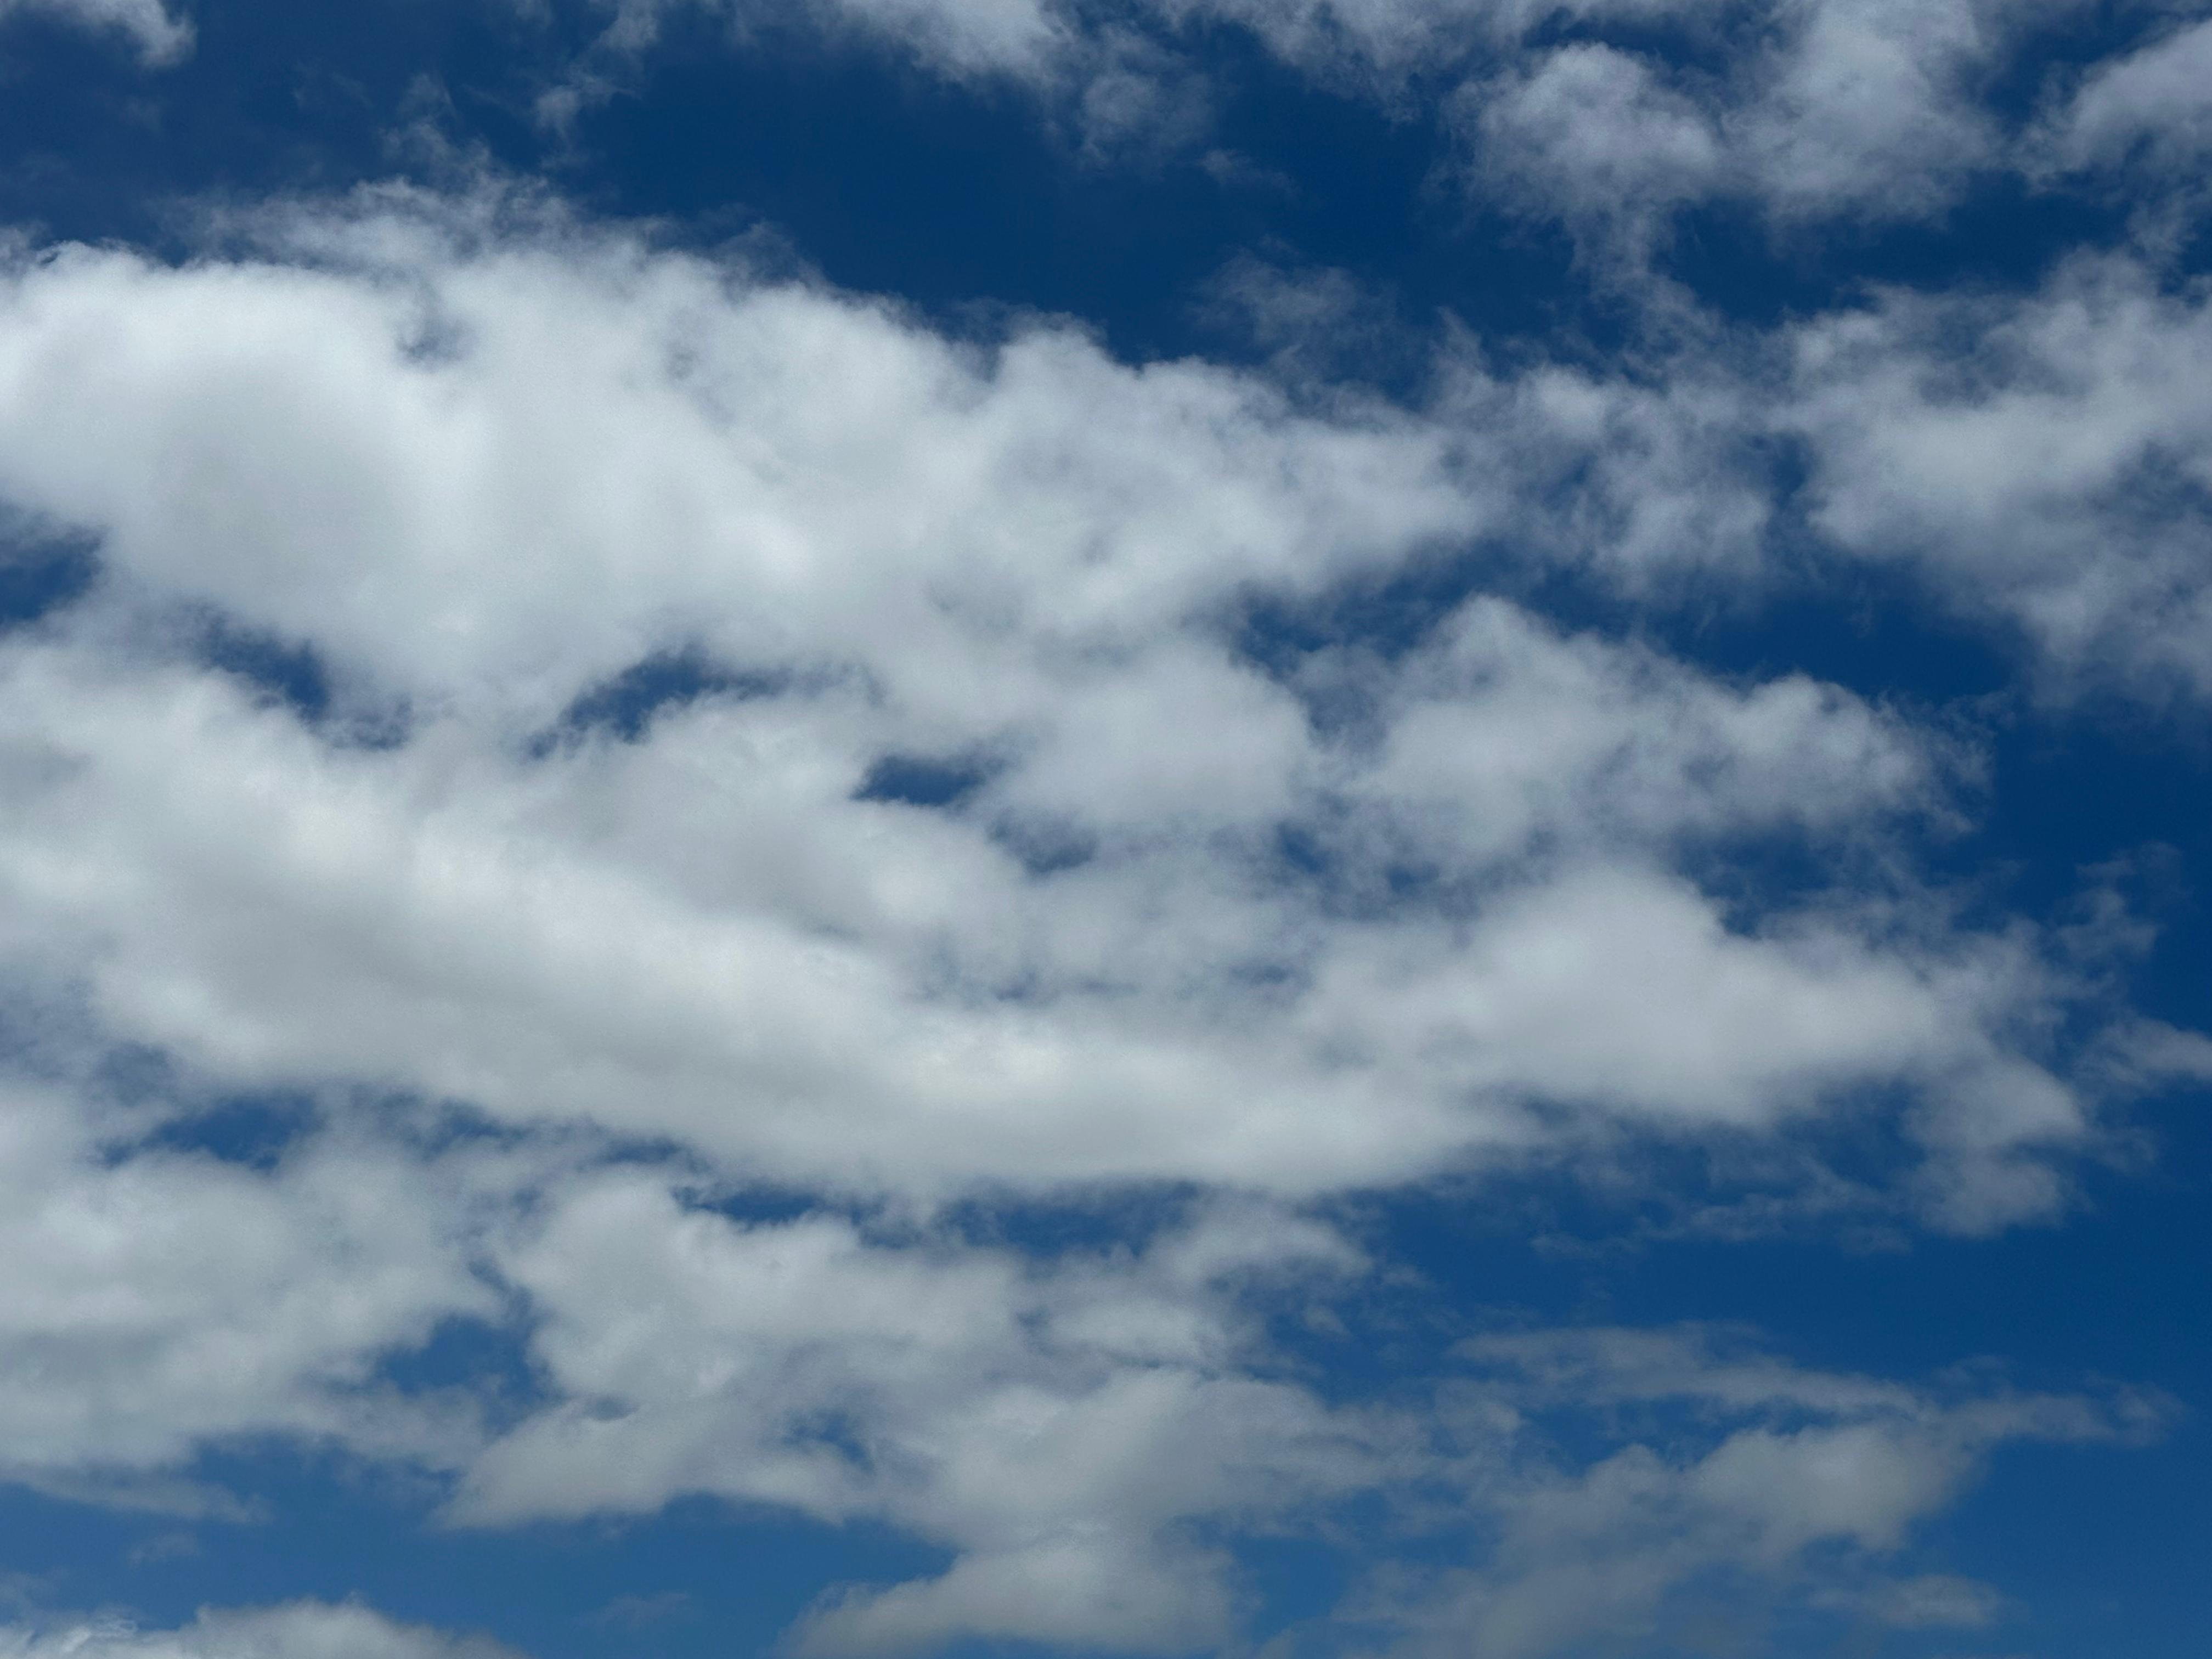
(160, 37)
(2047, 459)
(706, 800)
(2037, 459)
(699, 731)
(1059, 1425)
(1080, 1432)
(166, 1299)
(1594, 132)
(478, 483)
(1806, 108)
(1087, 1433)
(1850, 116)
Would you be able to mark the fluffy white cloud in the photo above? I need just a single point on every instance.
(1086, 1432)
(1061, 1425)
(299, 1629)
(1077, 1432)
(2039, 459)
(160, 37)
(1872, 104)
(1595, 132)
(877, 997)
(161, 1300)
(2047, 459)
(504, 477)
(1169, 902)
(1866, 109)
(482, 480)
(1165, 899)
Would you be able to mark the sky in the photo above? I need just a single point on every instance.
(1047, 829)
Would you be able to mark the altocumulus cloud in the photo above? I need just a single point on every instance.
(1099, 960)
(1168, 913)
(873, 901)
(1607, 113)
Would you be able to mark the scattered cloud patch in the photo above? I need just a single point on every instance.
(299, 1629)
(850, 917)
(160, 37)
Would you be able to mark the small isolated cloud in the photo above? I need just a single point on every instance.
(639, 1612)
(295, 1631)
(178, 1546)
(961, 38)
(1595, 135)
(160, 37)
(1935, 1601)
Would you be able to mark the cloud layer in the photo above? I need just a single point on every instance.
(864, 901)
(937, 868)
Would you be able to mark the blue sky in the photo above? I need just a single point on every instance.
(1296, 829)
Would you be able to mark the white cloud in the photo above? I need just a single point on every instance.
(160, 37)
(1029, 557)
(1501, 735)
(1933, 1601)
(160, 1300)
(1080, 1432)
(1872, 104)
(1593, 134)
(1057, 1425)
(1376, 912)
(2157, 99)
(1780, 1484)
(1087, 1433)
(1269, 933)
(2039, 459)
(1808, 109)
(2047, 458)
(1864, 109)
(889, 494)
(959, 37)
(1869, 108)
(298, 1630)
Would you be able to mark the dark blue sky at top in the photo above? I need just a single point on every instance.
(966, 201)
(888, 178)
